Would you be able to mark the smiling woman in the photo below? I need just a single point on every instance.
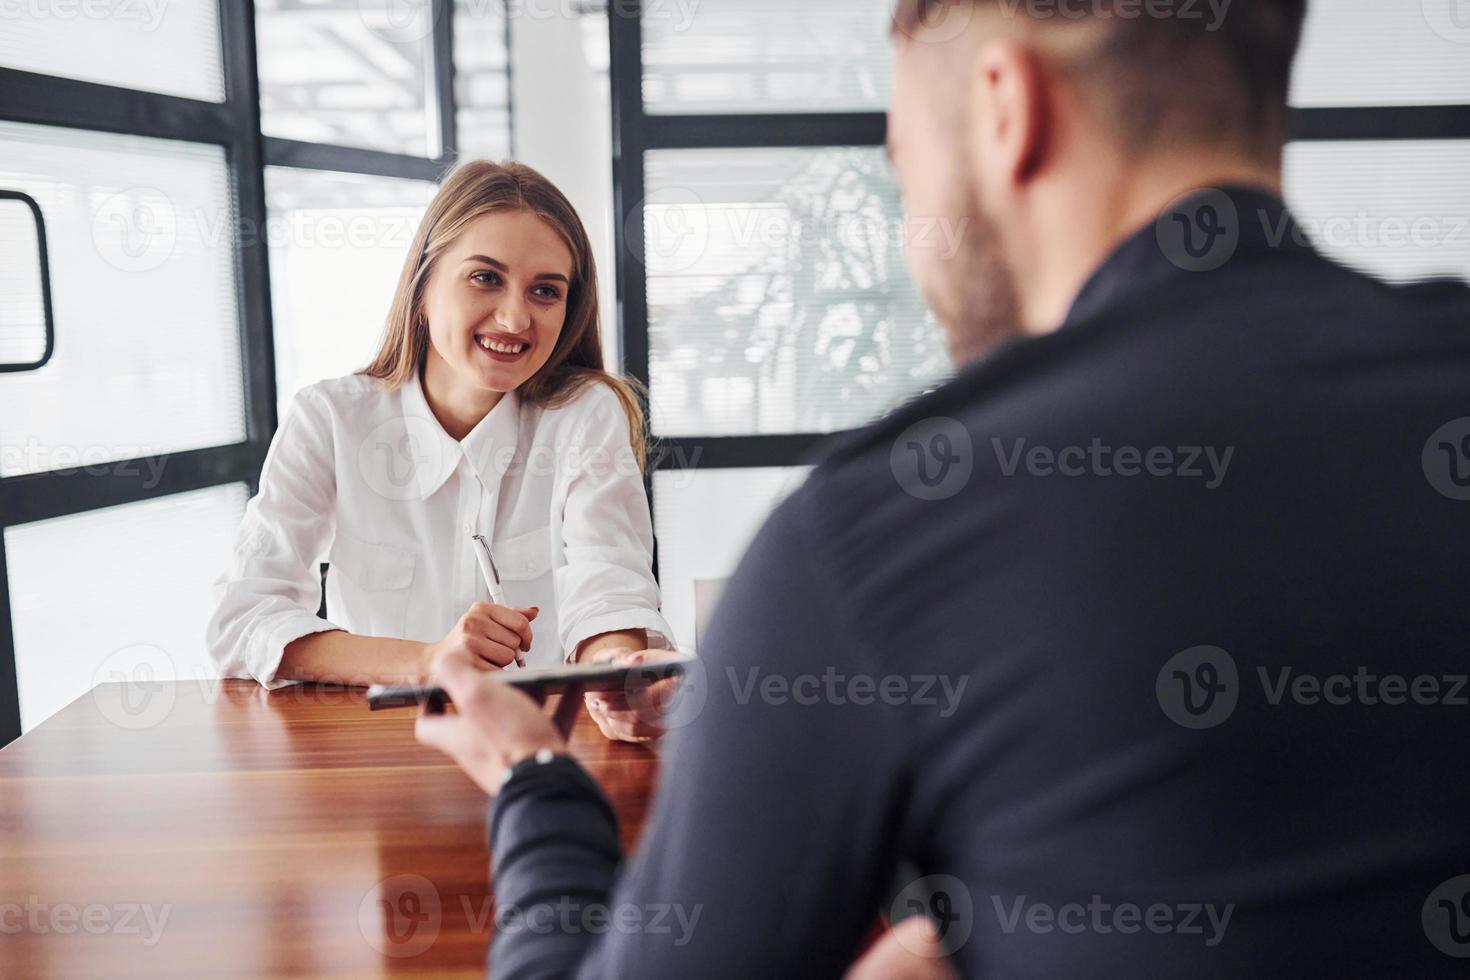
(485, 411)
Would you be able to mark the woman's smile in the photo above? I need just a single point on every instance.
(503, 347)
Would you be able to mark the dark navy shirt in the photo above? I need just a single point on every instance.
(1141, 645)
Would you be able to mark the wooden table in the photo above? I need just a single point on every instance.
(211, 828)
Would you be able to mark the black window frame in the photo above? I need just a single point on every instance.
(234, 124)
(635, 132)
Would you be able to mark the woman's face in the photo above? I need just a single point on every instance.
(497, 300)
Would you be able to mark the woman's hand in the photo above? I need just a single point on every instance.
(490, 636)
(492, 725)
(637, 717)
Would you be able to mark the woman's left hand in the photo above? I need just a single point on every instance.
(635, 717)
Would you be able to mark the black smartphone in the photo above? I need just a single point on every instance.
(535, 680)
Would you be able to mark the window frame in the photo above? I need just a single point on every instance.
(234, 124)
(635, 131)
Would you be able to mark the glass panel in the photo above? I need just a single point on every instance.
(353, 74)
(705, 520)
(1367, 52)
(140, 234)
(778, 298)
(22, 287)
(151, 45)
(1400, 210)
(766, 56)
(116, 593)
(481, 80)
(337, 244)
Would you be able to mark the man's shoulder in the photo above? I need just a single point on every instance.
(942, 421)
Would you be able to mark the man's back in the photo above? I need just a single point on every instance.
(1143, 642)
(1208, 578)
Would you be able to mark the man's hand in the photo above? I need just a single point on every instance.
(909, 951)
(493, 725)
(637, 717)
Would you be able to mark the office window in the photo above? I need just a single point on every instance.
(778, 298)
(354, 74)
(22, 302)
(705, 520)
(337, 244)
(1371, 53)
(1395, 209)
(160, 249)
(482, 79)
(767, 56)
(140, 235)
(170, 48)
(766, 299)
(121, 593)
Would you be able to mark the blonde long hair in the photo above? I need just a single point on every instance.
(481, 187)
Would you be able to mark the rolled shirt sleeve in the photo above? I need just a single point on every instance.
(269, 594)
(607, 581)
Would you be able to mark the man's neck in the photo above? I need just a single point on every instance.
(1074, 229)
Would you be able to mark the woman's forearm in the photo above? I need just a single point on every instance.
(631, 640)
(339, 657)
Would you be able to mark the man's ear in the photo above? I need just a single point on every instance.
(1009, 123)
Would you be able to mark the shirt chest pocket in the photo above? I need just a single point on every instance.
(523, 557)
(375, 585)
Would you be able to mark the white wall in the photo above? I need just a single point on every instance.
(563, 124)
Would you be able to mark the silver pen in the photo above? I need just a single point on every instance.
(492, 579)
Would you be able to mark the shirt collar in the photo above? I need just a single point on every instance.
(1199, 233)
(489, 448)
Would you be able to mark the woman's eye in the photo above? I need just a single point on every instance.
(548, 292)
(486, 278)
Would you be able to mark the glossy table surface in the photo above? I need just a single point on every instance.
(211, 828)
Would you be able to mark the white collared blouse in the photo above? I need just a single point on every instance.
(366, 479)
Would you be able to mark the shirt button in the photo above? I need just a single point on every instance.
(469, 526)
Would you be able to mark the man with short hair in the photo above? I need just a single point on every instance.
(1142, 641)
